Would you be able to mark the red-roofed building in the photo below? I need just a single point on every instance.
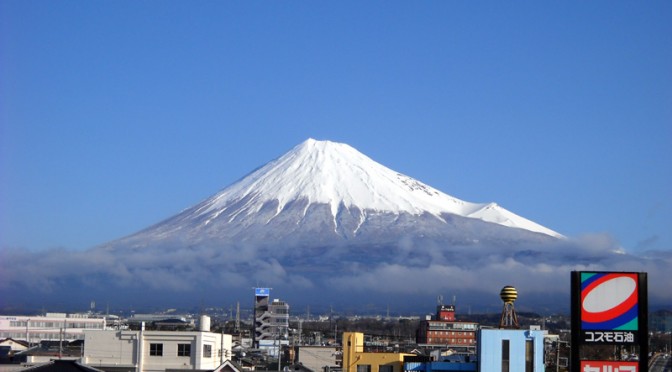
(444, 330)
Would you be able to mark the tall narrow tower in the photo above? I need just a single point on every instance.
(261, 315)
(509, 318)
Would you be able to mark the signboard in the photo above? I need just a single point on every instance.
(609, 337)
(262, 292)
(600, 366)
(609, 308)
(609, 301)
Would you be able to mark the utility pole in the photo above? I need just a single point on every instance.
(277, 339)
(27, 335)
(300, 330)
(60, 343)
(238, 316)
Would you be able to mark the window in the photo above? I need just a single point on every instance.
(364, 368)
(183, 350)
(505, 355)
(529, 356)
(386, 368)
(156, 349)
(207, 351)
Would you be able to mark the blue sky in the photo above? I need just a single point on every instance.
(116, 115)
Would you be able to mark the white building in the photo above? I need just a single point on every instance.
(515, 350)
(319, 358)
(153, 351)
(52, 327)
(13, 345)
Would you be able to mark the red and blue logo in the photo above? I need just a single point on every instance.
(609, 301)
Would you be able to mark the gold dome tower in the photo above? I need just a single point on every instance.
(509, 319)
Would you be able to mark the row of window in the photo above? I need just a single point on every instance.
(381, 368)
(156, 349)
(64, 324)
(448, 333)
(39, 336)
(451, 325)
(451, 340)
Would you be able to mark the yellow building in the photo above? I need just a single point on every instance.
(355, 359)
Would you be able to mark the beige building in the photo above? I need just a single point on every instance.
(319, 358)
(155, 351)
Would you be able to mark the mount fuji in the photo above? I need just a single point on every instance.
(321, 219)
(324, 225)
(329, 194)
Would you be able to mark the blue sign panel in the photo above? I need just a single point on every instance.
(262, 292)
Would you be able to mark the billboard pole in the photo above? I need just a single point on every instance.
(643, 322)
(575, 364)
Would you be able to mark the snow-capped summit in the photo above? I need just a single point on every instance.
(335, 174)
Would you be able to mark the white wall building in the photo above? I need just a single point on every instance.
(318, 358)
(52, 327)
(13, 345)
(515, 350)
(153, 351)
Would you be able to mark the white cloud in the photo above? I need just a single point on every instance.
(406, 270)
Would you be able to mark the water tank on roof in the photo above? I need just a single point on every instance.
(204, 323)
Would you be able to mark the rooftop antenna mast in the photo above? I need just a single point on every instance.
(238, 316)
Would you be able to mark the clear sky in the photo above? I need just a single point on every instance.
(117, 114)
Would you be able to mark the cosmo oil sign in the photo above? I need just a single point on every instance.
(608, 308)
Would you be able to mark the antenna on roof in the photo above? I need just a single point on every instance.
(238, 317)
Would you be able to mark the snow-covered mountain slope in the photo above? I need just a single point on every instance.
(322, 191)
(324, 172)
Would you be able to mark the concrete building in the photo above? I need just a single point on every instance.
(444, 330)
(262, 323)
(279, 311)
(511, 350)
(49, 350)
(319, 358)
(150, 318)
(271, 322)
(60, 365)
(51, 327)
(154, 351)
(356, 359)
(13, 345)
